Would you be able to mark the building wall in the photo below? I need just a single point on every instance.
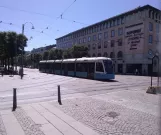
(134, 46)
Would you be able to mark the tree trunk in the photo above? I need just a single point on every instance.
(12, 62)
(7, 63)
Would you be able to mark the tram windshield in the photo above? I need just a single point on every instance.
(108, 66)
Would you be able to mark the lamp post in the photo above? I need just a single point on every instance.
(23, 29)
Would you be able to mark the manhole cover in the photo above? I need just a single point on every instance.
(113, 114)
(110, 117)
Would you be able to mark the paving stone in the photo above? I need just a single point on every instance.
(109, 118)
(2, 128)
(27, 124)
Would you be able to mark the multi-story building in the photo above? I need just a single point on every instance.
(43, 49)
(126, 38)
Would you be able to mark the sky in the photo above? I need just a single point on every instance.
(45, 13)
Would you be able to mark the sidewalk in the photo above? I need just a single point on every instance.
(40, 119)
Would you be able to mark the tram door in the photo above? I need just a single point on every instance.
(91, 66)
(65, 69)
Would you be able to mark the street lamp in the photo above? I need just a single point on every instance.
(23, 29)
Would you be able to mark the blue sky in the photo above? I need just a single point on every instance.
(84, 11)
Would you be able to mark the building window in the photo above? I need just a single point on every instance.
(120, 42)
(89, 47)
(150, 26)
(94, 37)
(84, 40)
(105, 26)
(95, 29)
(157, 38)
(112, 33)
(157, 27)
(119, 55)
(115, 22)
(122, 20)
(111, 23)
(105, 35)
(118, 21)
(120, 31)
(112, 43)
(94, 46)
(99, 45)
(105, 44)
(89, 31)
(150, 39)
(105, 54)
(112, 55)
(93, 55)
(89, 39)
(99, 55)
(99, 36)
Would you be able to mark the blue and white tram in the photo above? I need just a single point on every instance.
(99, 68)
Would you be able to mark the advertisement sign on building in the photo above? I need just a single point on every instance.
(134, 38)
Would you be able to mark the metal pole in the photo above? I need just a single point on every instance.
(14, 99)
(59, 95)
(22, 52)
(152, 72)
(16, 57)
(158, 71)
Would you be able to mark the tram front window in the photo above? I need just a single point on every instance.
(108, 66)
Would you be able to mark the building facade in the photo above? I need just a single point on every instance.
(43, 49)
(126, 38)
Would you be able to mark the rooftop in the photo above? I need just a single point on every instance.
(111, 18)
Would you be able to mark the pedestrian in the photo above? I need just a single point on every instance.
(21, 73)
(136, 71)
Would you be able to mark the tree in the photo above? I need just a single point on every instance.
(67, 54)
(45, 55)
(11, 45)
(79, 51)
(52, 55)
(37, 58)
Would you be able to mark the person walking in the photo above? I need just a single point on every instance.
(136, 72)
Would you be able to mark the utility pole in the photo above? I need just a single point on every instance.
(22, 53)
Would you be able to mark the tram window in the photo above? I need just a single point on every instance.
(99, 67)
(71, 66)
(57, 66)
(81, 67)
(64, 66)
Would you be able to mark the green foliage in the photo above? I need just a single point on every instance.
(45, 55)
(74, 52)
(11, 45)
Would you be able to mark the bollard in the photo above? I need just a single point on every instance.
(59, 95)
(14, 99)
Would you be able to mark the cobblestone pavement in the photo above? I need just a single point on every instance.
(109, 118)
(2, 128)
(27, 124)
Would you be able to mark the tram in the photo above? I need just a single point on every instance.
(98, 68)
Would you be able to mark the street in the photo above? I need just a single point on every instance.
(36, 87)
(116, 107)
